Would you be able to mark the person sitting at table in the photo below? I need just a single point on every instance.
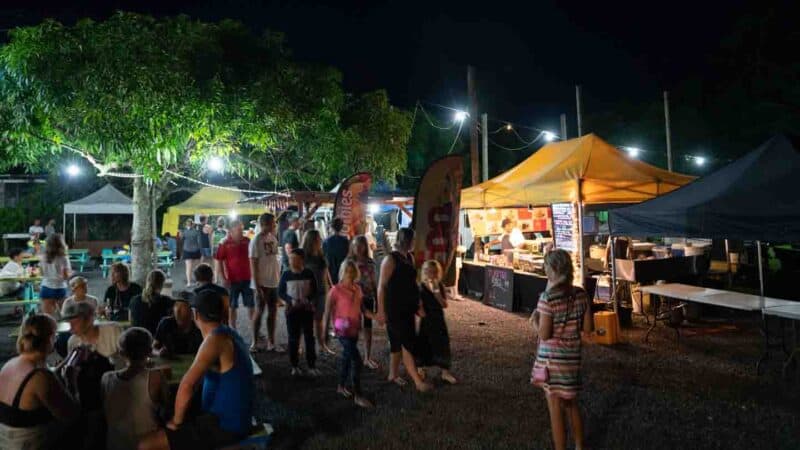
(12, 269)
(80, 288)
(34, 406)
(178, 334)
(204, 275)
(102, 338)
(223, 364)
(132, 396)
(171, 244)
(118, 296)
(36, 230)
(56, 270)
(147, 310)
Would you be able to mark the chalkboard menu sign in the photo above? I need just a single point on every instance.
(563, 226)
(498, 287)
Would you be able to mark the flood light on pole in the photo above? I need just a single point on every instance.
(73, 170)
(633, 152)
(549, 136)
(460, 116)
(216, 164)
(699, 160)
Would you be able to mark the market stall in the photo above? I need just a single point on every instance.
(211, 202)
(107, 200)
(553, 187)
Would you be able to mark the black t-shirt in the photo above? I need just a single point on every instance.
(119, 301)
(149, 315)
(205, 242)
(211, 287)
(177, 342)
(289, 237)
(335, 248)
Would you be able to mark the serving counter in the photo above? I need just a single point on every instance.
(508, 289)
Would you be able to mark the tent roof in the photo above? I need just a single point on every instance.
(106, 200)
(551, 175)
(753, 198)
(214, 201)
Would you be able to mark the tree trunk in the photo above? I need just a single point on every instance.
(142, 230)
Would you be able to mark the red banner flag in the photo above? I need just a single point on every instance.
(351, 203)
(436, 207)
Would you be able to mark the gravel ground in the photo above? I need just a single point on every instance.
(701, 393)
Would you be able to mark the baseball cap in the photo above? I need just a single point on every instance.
(185, 296)
(209, 304)
(77, 309)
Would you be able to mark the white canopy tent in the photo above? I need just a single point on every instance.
(106, 200)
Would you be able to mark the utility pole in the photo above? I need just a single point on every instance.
(484, 147)
(578, 107)
(473, 125)
(668, 130)
(563, 127)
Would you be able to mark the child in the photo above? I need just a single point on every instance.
(433, 348)
(345, 303)
(297, 289)
(131, 396)
(368, 282)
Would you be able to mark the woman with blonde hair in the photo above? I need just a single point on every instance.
(433, 345)
(147, 309)
(56, 270)
(316, 263)
(562, 312)
(32, 400)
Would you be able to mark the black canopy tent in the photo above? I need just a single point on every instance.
(753, 198)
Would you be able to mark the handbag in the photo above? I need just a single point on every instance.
(541, 374)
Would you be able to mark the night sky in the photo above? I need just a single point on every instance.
(528, 56)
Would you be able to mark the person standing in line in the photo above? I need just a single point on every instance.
(205, 238)
(433, 346)
(34, 406)
(118, 296)
(345, 305)
(264, 278)
(289, 242)
(562, 313)
(398, 302)
(233, 268)
(218, 234)
(297, 288)
(132, 396)
(147, 309)
(316, 263)
(192, 248)
(336, 248)
(56, 270)
(368, 282)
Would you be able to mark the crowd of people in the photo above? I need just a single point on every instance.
(105, 384)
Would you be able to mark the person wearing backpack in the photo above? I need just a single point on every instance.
(561, 314)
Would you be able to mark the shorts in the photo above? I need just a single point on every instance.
(243, 288)
(206, 252)
(269, 294)
(368, 305)
(401, 333)
(319, 307)
(50, 293)
(191, 255)
(200, 433)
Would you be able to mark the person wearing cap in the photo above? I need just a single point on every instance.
(224, 368)
(178, 334)
(79, 287)
(102, 338)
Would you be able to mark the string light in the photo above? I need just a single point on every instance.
(633, 152)
(460, 116)
(508, 127)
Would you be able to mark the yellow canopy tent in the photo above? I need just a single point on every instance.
(585, 169)
(211, 202)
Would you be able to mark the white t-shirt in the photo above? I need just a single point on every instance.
(90, 299)
(34, 229)
(268, 269)
(106, 342)
(11, 269)
(53, 272)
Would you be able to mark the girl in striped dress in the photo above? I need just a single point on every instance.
(562, 312)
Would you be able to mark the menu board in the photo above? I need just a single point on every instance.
(498, 287)
(564, 226)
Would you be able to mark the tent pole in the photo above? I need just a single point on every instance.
(760, 269)
(613, 295)
(728, 261)
(64, 225)
(74, 229)
(581, 258)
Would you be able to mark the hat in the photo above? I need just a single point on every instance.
(184, 296)
(209, 305)
(77, 309)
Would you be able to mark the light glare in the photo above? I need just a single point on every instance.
(633, 152)
(549, 136)
(73, 170)
(374, 208)
(216, 164)
(460, 116)
(699, 160)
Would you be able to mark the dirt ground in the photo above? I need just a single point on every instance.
(701, 393)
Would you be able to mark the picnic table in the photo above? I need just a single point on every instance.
(28, 292)
(716, 297)
(792, 313)
(165, 261)
(178, 365)
(78, 257)
(110, 258)
(63, 327)
(28, 261)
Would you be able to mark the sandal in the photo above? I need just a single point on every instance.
(449, 378)
(371, 364)
(425, 387)
(421, 373)
(398, 381)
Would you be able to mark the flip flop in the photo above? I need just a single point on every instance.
(398, 381)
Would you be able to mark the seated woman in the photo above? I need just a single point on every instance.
(119, 294)
(101, 338)
(32, 400)
(147, 310)
(132, 396)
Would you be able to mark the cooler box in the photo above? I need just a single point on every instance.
(606, 328)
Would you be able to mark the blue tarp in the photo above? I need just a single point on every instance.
(756, 197)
